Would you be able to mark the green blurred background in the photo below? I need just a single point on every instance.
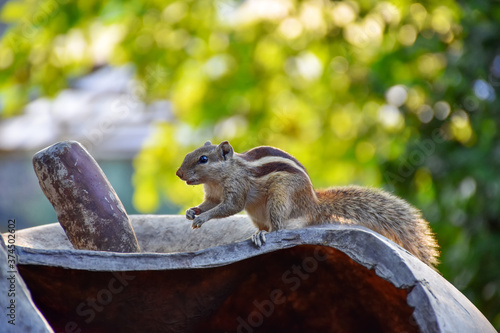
(397, 94)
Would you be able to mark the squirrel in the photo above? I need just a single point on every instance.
(274, 188)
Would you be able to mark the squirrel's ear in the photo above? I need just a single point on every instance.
(225, 150)
(208, 143)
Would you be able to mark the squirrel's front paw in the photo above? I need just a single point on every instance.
(198, 221)
(192, 212)
(259, 238)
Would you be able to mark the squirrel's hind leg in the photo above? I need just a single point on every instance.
(278, 210)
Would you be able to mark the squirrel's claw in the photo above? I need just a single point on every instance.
(196, 224)
(198, 221)
(192, 212)
(259, 238)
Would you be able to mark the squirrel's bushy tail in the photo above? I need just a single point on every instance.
(381, 212)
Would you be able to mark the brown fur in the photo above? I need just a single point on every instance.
(274, 189)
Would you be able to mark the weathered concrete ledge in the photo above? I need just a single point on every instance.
(327, 278)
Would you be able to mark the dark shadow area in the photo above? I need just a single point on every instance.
(306, 288)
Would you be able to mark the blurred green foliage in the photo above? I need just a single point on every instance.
(397, 94)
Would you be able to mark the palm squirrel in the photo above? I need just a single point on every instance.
(276, 191)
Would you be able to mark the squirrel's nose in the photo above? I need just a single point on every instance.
(179, 173)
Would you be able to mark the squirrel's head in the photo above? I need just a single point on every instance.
(203, 164)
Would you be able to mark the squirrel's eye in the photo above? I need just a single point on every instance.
(203, 159)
